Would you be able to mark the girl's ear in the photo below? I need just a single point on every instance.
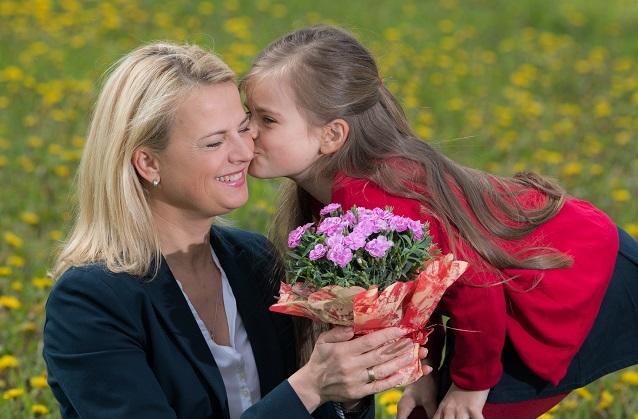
(334, 135)
(146, 164)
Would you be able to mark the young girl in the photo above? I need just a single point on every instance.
(552, 278)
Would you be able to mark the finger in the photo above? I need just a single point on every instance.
(391, 367)
(375, 339)
(336, 334)
(476, 413)
(383, 353)
(405, 406)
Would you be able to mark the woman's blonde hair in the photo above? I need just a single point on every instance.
(135, 108)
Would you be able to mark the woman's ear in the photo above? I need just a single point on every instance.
(334, 135)
(146, 164)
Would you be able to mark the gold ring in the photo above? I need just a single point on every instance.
(371, 376)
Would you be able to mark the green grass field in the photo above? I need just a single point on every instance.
(502, 85)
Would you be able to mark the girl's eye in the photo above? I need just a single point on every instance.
(245, 129)
(268, 120)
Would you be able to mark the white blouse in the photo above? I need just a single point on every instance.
(235, 362)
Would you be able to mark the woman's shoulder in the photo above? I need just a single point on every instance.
(94, 281)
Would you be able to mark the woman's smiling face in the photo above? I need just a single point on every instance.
(203, 168)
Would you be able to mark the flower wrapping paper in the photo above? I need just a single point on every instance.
(407, 305)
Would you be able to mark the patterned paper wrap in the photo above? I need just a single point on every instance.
(408, 305)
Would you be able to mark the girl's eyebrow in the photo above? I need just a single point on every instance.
(223, 131)
(266, 110)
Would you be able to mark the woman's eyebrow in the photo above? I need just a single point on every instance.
(223, 131)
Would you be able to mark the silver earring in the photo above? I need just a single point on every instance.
(156, 182)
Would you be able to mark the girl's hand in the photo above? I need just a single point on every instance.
(420, 393)
(462, 404)
(340, 369)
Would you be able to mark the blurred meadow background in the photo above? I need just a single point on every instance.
(502, 85)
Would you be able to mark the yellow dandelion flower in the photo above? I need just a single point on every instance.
(39, 409)
(632, 228)
(16, 286)
(61, 170)
(56, 235)
(620, 195)
(630, 377)
(5, 270)
(392, 34)
(29, 121)
(596, 169)
(391, 409)
(455, 104)
(10, 302)
(39, 381)
(606, 399)
(238, 26)
(546, 416)
(28, 327)
(569, 404)
(13, 239)
(584, 393)
(16, 261)
(390, 397)
(29, 217)
(11, 73)
(13, 393)
(42, 282)
(3, 160)
(446, 26)
(8, 361)
(34, 142)
(622, 138)
(572, 169)
(205, 8)
(602, 108)
(279, 10)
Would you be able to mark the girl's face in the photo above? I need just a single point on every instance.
(203, 168)
(286, 145)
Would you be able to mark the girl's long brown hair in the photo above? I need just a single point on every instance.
(333, 76)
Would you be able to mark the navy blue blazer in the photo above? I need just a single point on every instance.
(120, 346)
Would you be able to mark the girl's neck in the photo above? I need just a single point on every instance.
(319, 187)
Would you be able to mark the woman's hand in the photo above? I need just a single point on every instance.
(420, 393)
(462, 404)
(340, 369)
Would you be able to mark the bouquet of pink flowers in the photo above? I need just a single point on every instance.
(369, 269)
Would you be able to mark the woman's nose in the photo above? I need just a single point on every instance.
(243, 150)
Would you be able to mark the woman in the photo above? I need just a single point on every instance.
(156, 314)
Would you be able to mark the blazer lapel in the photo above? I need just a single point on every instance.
(260, 329)
(173, 309)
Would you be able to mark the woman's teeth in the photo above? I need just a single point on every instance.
(231, 178)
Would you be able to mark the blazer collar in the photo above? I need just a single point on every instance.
(239, 268)
(175, 312)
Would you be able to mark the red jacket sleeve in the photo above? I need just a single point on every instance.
(474, 306)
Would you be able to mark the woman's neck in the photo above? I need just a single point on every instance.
(184, 240)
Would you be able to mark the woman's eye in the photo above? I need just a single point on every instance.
(245, 129)
(214, 145)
